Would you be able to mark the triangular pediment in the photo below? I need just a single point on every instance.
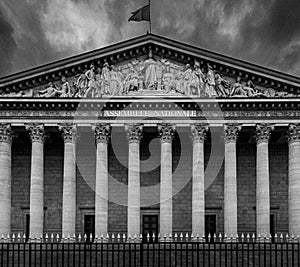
(150, 65)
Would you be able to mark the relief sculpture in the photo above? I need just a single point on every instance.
(149, 75)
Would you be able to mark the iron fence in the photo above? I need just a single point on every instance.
(186, 250)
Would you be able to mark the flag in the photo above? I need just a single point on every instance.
(141, 14)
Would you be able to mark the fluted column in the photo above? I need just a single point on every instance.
(69, 134)
(37, 135)
(230, 180)
(263, 133)
(166, 132)
(198, 190)
(294, 179)
(102, 135)
(5, 178)
(134, 135)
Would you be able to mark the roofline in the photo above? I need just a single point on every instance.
(159, 40)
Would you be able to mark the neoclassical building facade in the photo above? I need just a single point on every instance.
(149, 136)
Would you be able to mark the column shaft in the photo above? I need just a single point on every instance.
(230, 191)
(134, 190)
(198, 190)
(134, 135)
(262, 180)
(230, 181)
(69, 180)
(294, 180)
(69, 191)
(37, 190)
(101, 197)
(5, 179)
(166, 202)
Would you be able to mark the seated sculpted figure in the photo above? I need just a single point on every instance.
(50, 91)
(237, 89)
(222, 86)
(65, 90)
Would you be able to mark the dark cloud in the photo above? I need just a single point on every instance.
(7, 45)
(265, 32)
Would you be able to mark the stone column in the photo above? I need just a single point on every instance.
(134, 135)
(69, 134)
(37, 135)
(263, 133)
(198, 190)
(166, 132)
(102, 135)
(230, 180)
(294, 179)
(5, 178)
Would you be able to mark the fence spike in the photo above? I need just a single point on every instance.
(124, 237)
(248, 237)
(153, 237)
(181, 236)
(79, 237)
(175, 236)
(192, 236)
(13, 236)
(287, 238)
(187, 236)
(119, 236)
(220, 236)
(19, 236)
(281, 237)
(209, 237)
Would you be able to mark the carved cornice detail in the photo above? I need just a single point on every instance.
(134, 132)
(101, 132)
(36, 132)
(263, 132)
(199, 132)
(69, 132)
(5, 132)
(231, 132)
(166, 132)
(294, 133)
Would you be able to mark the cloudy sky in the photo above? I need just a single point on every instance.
(35, 32)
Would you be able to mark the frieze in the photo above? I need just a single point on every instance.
(149, 76)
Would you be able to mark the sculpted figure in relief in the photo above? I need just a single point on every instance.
(168, 79)
(106, 79)
(237, 89)
(65, 90)
(186, 80)
(91, 78)
(197, 79)
(50, 91)
(150, 68)
(116, 81)
(131, 82)
(210, 82)
(222, 86)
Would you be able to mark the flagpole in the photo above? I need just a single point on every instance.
(150, 26)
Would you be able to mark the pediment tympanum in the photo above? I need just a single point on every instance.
(152, 73)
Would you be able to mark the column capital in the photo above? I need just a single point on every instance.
(134, 132)
(101, 132)
(36, 132)
(69, 132)
(199, 132)
(5, 132)
(231, 132)
(263, 132)
(294, 133)
(166, 132)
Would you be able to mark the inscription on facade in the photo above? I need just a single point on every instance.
(150, 113)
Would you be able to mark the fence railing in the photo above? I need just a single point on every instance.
(181, 250)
